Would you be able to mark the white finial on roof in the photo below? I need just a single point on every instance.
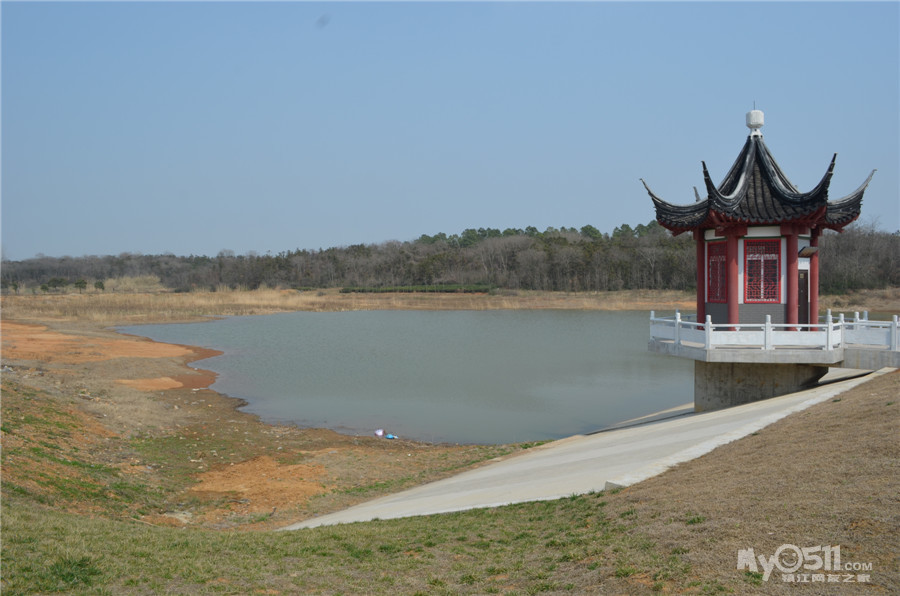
(755, 121)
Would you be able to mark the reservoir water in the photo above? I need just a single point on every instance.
(446, 376)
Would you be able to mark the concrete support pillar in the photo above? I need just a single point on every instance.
(720, 385)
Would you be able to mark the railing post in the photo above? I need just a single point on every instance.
(767, 333)
(677, 327)
(829, 331)
(842, 328)
(895, 334)
(708, 332)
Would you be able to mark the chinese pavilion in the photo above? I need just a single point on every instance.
(757, 237)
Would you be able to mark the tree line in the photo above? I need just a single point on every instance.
(564, 259)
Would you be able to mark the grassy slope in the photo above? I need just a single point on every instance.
(810, 479)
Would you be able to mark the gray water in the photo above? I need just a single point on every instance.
(457, 376)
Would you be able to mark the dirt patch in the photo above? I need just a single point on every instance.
(112, 374)
(37, 342)
(157, 384)
(262, 484)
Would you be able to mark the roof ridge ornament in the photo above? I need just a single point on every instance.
(755, 121)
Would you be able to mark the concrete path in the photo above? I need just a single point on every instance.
(617, 457)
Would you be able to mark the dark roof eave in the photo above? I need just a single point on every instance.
(724, 205)
(678, 218)
(846, 210)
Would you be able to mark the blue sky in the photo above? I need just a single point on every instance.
(191, 128)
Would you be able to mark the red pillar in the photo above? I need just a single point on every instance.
(731, 249)
(701, 275)
(814, 278)
(793, 273)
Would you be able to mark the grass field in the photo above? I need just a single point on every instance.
(556, 546)
(158, 307)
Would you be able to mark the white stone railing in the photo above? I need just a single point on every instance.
(828, 334)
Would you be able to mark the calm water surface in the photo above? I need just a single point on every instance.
(457, 376)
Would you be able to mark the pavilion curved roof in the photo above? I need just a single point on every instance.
(756, 192)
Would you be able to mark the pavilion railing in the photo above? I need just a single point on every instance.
(827, 334)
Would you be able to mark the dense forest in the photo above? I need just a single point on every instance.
(565, 259)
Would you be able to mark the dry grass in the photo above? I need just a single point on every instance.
(131, 308)
(110, 308)
(882, 301)
(829, 475)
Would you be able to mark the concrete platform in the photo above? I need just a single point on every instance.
(747, 354)
(585, 463)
